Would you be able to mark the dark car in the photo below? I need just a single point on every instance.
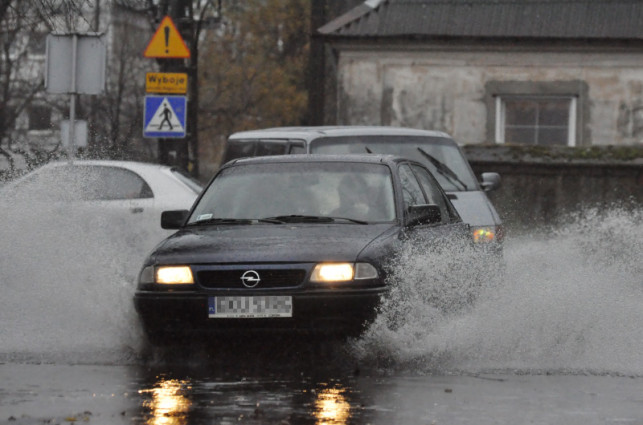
(295, 243)
(435, 149)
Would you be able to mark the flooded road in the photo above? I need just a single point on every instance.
(559, 341)
(114, 394)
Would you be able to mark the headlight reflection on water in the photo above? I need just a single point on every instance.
(168, 405)
(331, 407)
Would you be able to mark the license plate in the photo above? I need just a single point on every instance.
(250, 307)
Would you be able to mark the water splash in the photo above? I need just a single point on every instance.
(68, 276)
(571, 301)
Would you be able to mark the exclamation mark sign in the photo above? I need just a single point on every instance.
(167, 38)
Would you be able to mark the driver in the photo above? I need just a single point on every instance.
(353, 197)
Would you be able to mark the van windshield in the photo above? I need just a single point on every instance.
(440, 155)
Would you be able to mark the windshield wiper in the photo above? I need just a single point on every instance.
(443, 168)
(270, 220)
(221, 220)
(295, 218)
(352, 220)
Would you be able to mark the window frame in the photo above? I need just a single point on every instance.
(501, 114)
(577, 89)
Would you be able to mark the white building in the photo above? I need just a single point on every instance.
(114, 117)
(537, 72)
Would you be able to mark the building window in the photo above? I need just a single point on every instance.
(538, 112)
(39, 117)
(536, 120)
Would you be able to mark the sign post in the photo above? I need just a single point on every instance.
(165, 116)
(75, 64)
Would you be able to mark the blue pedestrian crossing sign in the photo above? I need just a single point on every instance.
(164, 116)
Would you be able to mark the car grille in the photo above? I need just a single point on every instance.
(270, 278)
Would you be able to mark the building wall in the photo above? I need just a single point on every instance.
(534, 194)
(448, 88)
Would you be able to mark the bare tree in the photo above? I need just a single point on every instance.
(23, 26)
(115, 118)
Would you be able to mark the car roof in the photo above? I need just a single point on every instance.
(313, 132)
(303, 158)
(132, 165)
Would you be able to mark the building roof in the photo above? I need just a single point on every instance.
(537, 19)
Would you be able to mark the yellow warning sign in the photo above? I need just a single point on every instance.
(166, 82)
(167, 42)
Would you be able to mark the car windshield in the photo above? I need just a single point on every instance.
(440, 155)
(307, 191)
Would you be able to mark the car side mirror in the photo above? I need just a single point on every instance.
(490, 181)
(423, 214)
(173, 219)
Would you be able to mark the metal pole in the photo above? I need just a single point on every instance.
(72, 107)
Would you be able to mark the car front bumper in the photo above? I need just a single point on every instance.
(341, 313)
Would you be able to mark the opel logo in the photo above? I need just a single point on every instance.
(250, 279)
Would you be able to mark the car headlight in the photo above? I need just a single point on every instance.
(167, 275)
(342, 272)
(486, 234)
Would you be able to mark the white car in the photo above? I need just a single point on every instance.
(135, 192)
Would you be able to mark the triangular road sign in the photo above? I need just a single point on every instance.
(167, 42)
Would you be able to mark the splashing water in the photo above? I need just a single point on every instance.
(571, 301)
(67, 276)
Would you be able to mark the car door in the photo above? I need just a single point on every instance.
(120, 196)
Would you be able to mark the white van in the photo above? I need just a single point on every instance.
(436, 150)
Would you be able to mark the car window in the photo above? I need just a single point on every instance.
(411, 191)
(431, 190)
(84, 183)
(111, 183)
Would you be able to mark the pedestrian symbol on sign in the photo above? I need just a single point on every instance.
(164, 116)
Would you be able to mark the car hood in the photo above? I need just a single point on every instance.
(475, 208)
(268, 243)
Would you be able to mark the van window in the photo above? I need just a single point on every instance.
(248, 148)
(272, 147)
(440, 155)
(297, 148)
(239, 149)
